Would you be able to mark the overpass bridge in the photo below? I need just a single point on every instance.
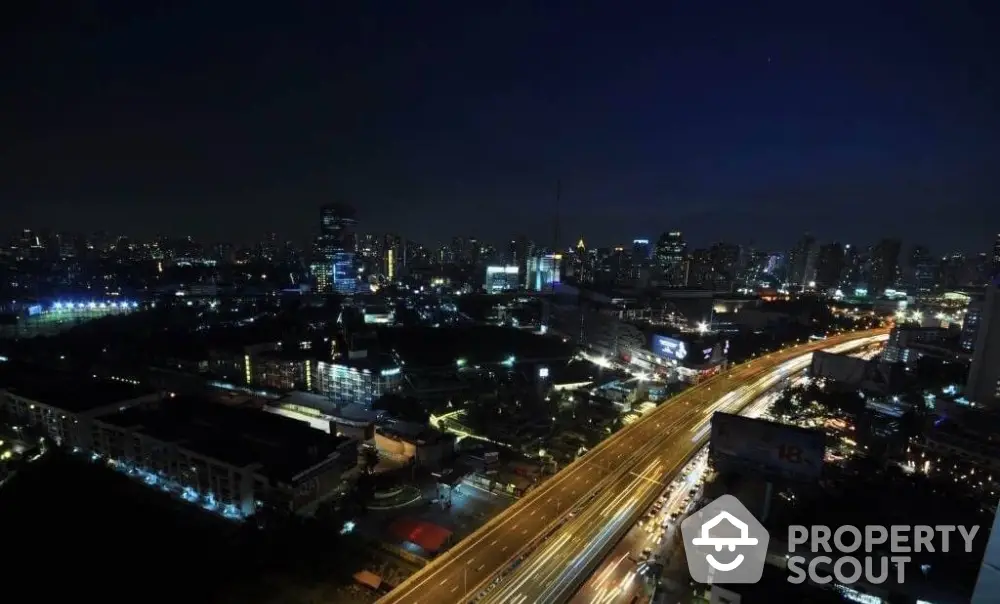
(609, 484)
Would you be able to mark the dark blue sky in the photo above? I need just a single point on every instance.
(744, 121)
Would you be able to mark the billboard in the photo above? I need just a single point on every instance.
(778, 450)
(670, 348)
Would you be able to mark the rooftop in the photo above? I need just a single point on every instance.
(292, 354)
(374, 363)
(282, 446)
(72, 392)
(429, 536)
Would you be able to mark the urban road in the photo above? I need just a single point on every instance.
(603, 489)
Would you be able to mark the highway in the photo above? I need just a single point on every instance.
(596, 496)
(556, 569)
(620, 577)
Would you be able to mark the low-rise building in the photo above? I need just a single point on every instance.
(63, 405)
(283, 370)
(228, 459)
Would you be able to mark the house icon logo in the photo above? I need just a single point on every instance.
(724, 543)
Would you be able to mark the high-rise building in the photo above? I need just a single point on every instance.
(850, 275)
(337, 244)
(802, 261)
(884, 265)
(921, 270)
(338, 228)
(970, 324)
(641, 254)
(521, 248)
(829, 265)
(983, 385)
(725, 265)
(996, 257)
(670, 257)
(543, 271)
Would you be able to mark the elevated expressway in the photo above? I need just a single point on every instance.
(548, 541)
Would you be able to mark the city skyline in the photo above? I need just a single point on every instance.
(568, 242)
(741, 127)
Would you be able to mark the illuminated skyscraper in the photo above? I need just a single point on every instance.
(337, 244)
(338, 228)
(671, 258)
(543, 272)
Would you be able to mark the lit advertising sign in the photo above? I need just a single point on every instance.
(745, 444)
(501, 270)
(670, 348)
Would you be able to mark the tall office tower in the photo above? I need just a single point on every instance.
(338, 224)
(970, 324)
(921, 270)
(725, 265)
(829, 265)
(884, 266)
(983, 386)
(670, 256)
(394, 255)
(996, 258)
(543, 272)
(337, 244)
(641, 253)
(802, 261)
(521, 248)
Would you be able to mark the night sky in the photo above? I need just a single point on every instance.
(740, 121)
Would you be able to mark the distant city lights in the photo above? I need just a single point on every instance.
(92, 306)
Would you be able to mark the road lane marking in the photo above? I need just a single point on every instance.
(492, 543)
(443, 581)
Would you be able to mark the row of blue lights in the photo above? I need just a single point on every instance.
(70, 306)
(205, 500)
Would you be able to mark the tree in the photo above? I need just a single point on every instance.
(787, 403)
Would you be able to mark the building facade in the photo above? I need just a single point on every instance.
(356, 382)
